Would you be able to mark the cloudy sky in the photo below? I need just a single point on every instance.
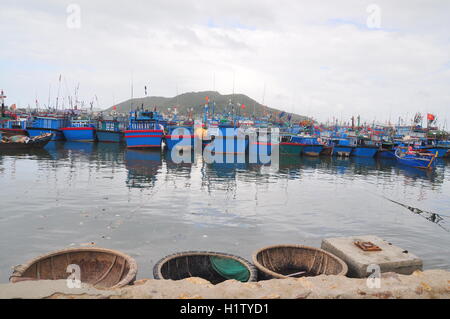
(380, 59)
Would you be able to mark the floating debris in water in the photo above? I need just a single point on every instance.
(432, 217)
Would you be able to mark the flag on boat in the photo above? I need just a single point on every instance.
(13, 107)
(243, 106)
(431, 117)
(281, 114)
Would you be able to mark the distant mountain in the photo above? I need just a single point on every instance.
(196, 100)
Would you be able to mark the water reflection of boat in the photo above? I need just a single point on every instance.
(41, 153)
(184, 162)
(226, 165)
(143, 166)
(79, 147)
(110, 152)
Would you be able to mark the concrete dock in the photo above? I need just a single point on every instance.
(419, 285)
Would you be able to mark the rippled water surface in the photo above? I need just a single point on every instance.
(144, 204)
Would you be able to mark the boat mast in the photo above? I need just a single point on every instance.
(2, 99)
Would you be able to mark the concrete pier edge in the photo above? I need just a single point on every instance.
(420, 285)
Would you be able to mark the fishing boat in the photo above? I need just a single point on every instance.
(24, 142)
(99, 267)
(386, 151)
(433, 147)
(180, 137)
(144, 130)
(295, 261)
(327, 150)
(215, 267)
(311, 145)
(110, 130)
(342, 147)
(365, 148)
(48, 123)
(80, 130)
(229, 139)
(10, 126)
(291, 145)
(415, 158)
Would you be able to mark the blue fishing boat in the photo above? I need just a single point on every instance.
(12, 126)
(49, 123)
(228, 139)
(342, 147)
(312, 146)
(79, 130)
(291, 145)
(180, 137)
(386, 151)
(110, 131)
(144, 130)
(415, 158)
(434, 147)
(365, 148)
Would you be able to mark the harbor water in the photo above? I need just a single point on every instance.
(144, 204)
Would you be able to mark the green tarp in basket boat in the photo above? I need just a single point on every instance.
(230, 268)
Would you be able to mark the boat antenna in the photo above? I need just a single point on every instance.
(59, 86)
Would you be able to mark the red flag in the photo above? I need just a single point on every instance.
(430, 117)
(114, 107)
(207, 99)
(243, 106)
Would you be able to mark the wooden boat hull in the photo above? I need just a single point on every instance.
(202, 264)
(144, 138)
(34, 143)
(79, 134)
(312, 150)
(102, 268)
(12, 132)
(287, 261)
(416, 161)
(36, 131)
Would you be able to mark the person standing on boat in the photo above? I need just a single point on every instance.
(410, 150)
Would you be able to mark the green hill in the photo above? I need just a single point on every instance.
(196, 100)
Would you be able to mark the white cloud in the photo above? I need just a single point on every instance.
(318, 59)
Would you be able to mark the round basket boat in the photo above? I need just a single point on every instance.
(294, 261)
(212, 266)
(102, 268)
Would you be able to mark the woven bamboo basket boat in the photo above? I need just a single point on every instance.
(100, 267)
(294, 261)
(212, 266)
